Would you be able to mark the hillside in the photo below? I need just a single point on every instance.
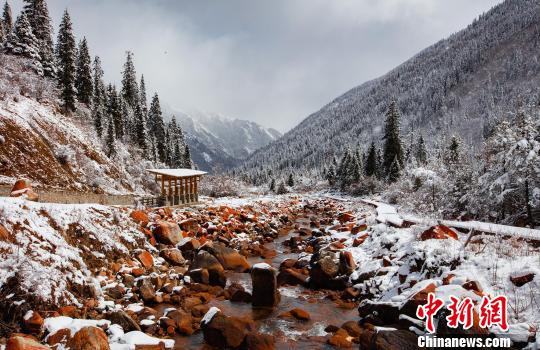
(54, 150)
(220, 142)
(461, 85)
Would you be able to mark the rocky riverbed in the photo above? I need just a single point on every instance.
(298, 272)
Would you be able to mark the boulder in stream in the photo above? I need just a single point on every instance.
(264, 282)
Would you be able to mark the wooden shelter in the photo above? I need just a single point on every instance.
(178, 186)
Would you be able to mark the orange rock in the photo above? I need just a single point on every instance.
(448, 278)
(23, 342)
(70, 311)
(140, 216)
(89, 338)
(34, 323)
(167, 232)
(137, 271)
(4, 234)
(420, 298)
(358, 228)
(345, 217)
(359, 240)
(439, 232)
(340, 339)
(522, 279)
(146, 259)
(300, 314)
(24, 187)
(61, 336)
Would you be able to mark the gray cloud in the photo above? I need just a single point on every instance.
(273, 62)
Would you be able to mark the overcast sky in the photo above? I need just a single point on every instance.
(274, 61)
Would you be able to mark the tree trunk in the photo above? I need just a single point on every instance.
(528, 203)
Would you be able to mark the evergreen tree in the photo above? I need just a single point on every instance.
(281, 188)
(65, 55)
(130, 90)
(142, 99)
(98, 96)
(111, 150)
(290, 180)
(156, 128)
(114, 111)
(140, 127)
(7, 19)
(40, 21)
(21, 41)
(2, 34)
(393, 151)
(371, 161)
(187, 158)
(83, 81)
(421, 151)
(331, 175)
(272, 186)
(453, 151)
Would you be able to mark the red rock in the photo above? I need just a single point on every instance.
(140, 217)
(225, 332)
(291, 277)
(473, 286)
(346, 262)
(352, 328)
(439, 232)
(89, 338)
(182, 320)
(229, 258)
(137, 271)
(359, 240)
(205, 260)
(258, 341)
(167, 232)
(300, 314)
(61, 336)
(23, 187)
(264, 282)
(448, 278)
(358, 228)
(160, 346)
(188, 225)
(420, 298)
(173, 256)
(23, 342)
(146, 259)
(340, 339)
(34, 323)
(520, 280)
(345, 217)
(70, 311)
(5, 235)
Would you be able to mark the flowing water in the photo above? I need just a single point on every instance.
(289, 333)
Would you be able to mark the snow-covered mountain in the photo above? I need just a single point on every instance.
(219, 142)
(461, 85)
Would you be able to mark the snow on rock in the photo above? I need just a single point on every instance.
(210, 315)
(54, 243)
(54, 324)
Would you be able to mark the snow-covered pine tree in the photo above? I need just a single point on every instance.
(420, 152)
(290, 180)
(156, 128)
(65, 56)
(393, 150)
(114, 111)
(331, 175)
(453, 152)
(142, 99)
(98, 96)
(140, 128)
(188, 163)
(7, 19)
(40, 21)
(111, 148)
(130, 90)
(2, 34)
(272, 187)
(370, 168)
(21, 41)
(83, 81)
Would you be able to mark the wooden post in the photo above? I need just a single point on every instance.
(182, 191)
(162, 186)
(197, 188)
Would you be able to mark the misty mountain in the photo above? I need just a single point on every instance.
(461, 85)
(219, 142)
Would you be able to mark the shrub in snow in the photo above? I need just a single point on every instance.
(64, 154)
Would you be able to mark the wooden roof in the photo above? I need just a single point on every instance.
(177, 173)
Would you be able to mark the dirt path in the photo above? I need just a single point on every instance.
(72, 197)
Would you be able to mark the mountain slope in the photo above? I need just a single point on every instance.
(460, 85)
(218, 142)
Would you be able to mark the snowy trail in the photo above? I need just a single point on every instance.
(388, 214)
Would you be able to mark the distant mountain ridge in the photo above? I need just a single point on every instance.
(219, 142)
(462, 85)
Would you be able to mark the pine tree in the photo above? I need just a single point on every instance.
(2, 33)
(421, 151)
(453, 152)
(272, 187)
(98, 96)
(114, 111)
(188, 163)
(21, 41)
(140, 127)
(83, 81)
(111, 149)
(142, 98)
(290, 180)
(281, 188)
(371, 161)
(7, 19)
(394, 172)
(65, 55)
(156, 128)
(393, 151)
(40, 21)
(130, 90)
